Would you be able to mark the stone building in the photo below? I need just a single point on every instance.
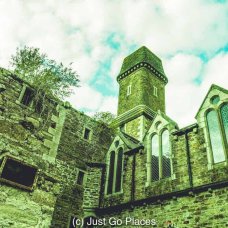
(61, 168)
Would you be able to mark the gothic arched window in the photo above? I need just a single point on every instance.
(161, 156)
(111, 172)
(114, 183)
(155, 158)
(166, 155)
(217, 123)
(119, 170)
(224, 115)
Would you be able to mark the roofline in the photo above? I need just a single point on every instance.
(211, 87)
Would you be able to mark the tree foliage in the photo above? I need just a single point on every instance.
(105, 117)
(43, 73)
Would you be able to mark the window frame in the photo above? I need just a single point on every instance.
(155, 91)
(12, 183)
(84, 177)
(116, 152)
(217, 109)
(159, 134)
(22, 93)
(90, 133)
(129, 90)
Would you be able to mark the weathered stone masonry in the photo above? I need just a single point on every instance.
(59, 152)
(174, 181)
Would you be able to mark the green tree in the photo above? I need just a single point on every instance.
(105, 117)
(44, 74)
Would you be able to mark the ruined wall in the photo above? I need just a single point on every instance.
(22, 136)
(52, 142)
(77, 152)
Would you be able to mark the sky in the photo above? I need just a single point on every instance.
(191, 38)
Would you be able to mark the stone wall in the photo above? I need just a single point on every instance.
(202, 209)
(191, 176)
(53, 143)
(142, 82)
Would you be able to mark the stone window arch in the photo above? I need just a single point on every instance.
(216, 118)
(160, 155)
(115, 171)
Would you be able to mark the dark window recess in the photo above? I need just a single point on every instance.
(73, 222)
(111, 172)
(53, 124)
(19, 173)
(155, 168)
(27, 97)
(80, 178)
(119, 170)
(86, 133)
(39, 106)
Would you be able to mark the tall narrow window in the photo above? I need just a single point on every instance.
(114, 181)
(80, 178)
(166, 156)
(111, 172)
(119, 170)
(215, 136)
(27, 97)
(155, 158)
(224, 114)
(155, 91)
(87, 133)
(129, 90)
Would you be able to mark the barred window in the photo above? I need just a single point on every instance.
(155, 158)
(217, 124)
(166, 155)
(115, 171)
(161, 156)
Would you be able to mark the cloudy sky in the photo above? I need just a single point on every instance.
(191, 38)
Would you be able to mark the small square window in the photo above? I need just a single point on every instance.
(27, 96)
(87, 133)
(17, 173)
(129, 90)
(155, 91)
(80, 177)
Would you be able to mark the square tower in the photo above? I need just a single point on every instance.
(142, 83)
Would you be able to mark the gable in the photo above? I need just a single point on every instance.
(162, 121)
(214, 90)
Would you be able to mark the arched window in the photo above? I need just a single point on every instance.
(215, 135)
(161, 156)
(155, 158)
(224, 115)
(111, 172)
(166, 155)
(114, 183)
(119, 170)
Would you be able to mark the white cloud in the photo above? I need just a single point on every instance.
(184, 96)
(87, 98)
(77, 31)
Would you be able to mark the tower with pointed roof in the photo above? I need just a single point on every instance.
(142, 83)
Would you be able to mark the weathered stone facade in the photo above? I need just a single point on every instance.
(57, 149)
(85, 170)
